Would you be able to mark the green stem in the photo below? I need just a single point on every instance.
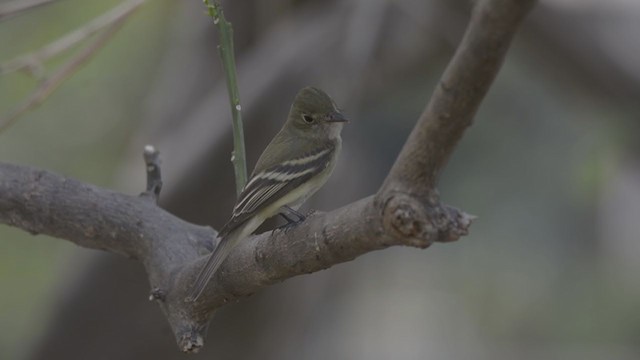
(238, 157)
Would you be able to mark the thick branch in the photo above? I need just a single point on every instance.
(406, 210)
(458, 95)
(41, 202)
(173, 250)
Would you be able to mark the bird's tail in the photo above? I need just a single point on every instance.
(216, 258)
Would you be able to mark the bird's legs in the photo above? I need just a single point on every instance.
(288, 213)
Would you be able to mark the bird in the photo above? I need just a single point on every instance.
(297, 162)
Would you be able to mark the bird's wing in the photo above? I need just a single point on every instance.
(273, 183)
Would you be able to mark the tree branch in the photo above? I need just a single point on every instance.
(66, 42)
(459, 93)
(14, 8)
(109, 23)
(405, 211)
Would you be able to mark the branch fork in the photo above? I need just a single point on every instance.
(406, 210)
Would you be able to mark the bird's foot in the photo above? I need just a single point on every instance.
(288, 215)
(286, 227)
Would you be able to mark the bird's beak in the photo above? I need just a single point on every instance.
(337, 117)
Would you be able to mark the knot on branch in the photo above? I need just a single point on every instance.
(420, 223)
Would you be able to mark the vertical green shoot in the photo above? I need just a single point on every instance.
(225, 31)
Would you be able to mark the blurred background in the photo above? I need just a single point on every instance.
(551, 167)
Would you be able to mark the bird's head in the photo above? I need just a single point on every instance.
(314, 113)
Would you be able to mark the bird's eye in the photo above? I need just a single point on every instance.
(307, 118)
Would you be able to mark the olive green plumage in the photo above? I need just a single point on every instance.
(295, 164)
(297, 135)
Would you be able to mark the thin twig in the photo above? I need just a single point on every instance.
(238, 158)
(154, 178)
(28, 61)
(14, 8)
(51, 83)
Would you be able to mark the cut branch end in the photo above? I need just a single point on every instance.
(154, 177)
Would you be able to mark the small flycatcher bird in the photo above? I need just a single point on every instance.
(295, 164)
